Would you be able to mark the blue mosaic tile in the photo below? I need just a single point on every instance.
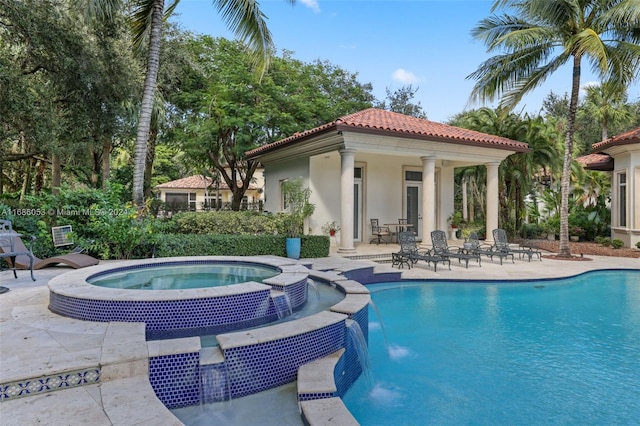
(266, 365)
(176, 379)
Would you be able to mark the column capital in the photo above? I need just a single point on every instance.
(347, 151)
(426, 158)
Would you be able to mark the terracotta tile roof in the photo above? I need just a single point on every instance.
(194, 182)
(377, 121)
(630, 137)
(596, 162)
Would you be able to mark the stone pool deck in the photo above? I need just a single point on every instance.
(35, 343)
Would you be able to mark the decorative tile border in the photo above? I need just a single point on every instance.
(40, 385)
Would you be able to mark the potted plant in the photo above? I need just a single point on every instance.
(454, 221)
(575, 232)
(331, 228)
(296, 197)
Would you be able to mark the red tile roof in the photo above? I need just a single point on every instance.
(377, 121)
(194, 182)
(630, 137)
(596, 162)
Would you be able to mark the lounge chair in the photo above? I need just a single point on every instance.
(501, 244)
(441, 248)
(74, 259)
(12, 248)
(475, 246)
(410, 255)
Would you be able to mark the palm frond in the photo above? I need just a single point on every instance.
(588, 43)
(248, 23)
(101, 9)
(506, 73)
(140, 22)
(622, 14)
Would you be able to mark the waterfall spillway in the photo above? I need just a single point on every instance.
(355, 337)
(282, 304)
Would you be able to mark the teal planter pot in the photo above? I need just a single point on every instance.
(293, 248)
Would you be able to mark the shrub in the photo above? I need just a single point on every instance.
(530, 231)
(168, 245)
(616, 243)
(230, 223)
(638, 244)
(604, 241)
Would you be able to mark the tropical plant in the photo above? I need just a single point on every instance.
(243, 17)
(537, 37)
(296, 197)
(606, 104)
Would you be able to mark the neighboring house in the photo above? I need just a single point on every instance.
(198, 193)
(621, 156)
(376, 164)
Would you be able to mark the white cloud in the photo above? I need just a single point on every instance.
(311, 4)
(404, 76)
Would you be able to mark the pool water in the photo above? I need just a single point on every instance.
(181, 277)
(541, 352)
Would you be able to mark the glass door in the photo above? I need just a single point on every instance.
(413, 206)
(357, 204)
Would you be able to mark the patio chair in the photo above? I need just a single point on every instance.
(12, 247)
(501, 244)
(410, 255)
(25, 259)
(441, 248)
(474, 245)
(379, 232)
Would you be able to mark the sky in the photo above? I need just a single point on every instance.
(388, 43)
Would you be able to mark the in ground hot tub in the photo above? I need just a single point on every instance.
(181, 312)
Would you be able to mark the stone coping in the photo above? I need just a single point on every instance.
(327, 411)
(74, 283)
(278, 331)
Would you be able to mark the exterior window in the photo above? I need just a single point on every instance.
(212, 202)
(180, 201)
(413, 176)
(622, 199)
(283, 201)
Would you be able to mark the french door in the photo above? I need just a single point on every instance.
(412, 206)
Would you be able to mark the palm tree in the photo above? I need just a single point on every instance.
(607, 104)
(243, 17)
(537, 37)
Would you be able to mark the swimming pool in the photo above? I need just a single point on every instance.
(540, 352)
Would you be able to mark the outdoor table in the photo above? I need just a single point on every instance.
(398, 226)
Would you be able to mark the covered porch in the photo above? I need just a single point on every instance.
(376, 164)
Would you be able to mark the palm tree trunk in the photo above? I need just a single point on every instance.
(144, 122)
(106, 165)
(565, 250)
(148, 168)
(56, 173)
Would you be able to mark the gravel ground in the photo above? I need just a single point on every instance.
(586, 248)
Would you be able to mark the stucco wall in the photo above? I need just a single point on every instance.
(628, 162)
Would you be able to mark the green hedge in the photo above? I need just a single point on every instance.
(168, 245)
(243, 223)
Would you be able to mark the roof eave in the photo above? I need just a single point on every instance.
(521, 147)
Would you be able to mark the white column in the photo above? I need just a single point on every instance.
(347, 162)
(428, 198)
(492, 200)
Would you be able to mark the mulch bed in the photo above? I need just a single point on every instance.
(581, 249)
